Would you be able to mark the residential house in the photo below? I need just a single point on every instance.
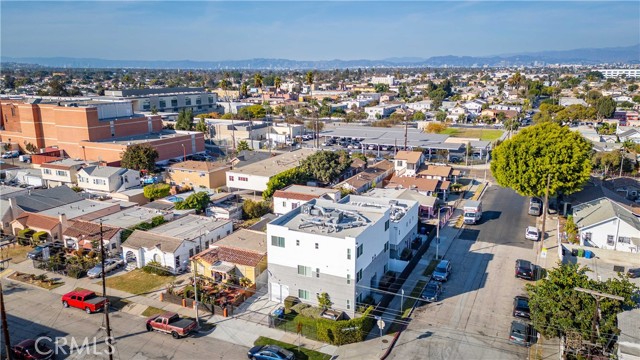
(322, 246)
(107, 179)
(492, 113)
(605, 224)
(173, 243)
(256, 176)
(381, 111)
(629, 134)
(427, 204)
(475, 106)
(198, 174)
(7, 191)
(427, 187)
(627, 342)
(516, 108)
(423, 105)
(86, 209)
(292, 196)
(53, 226)
(85, 235)
(627, 118)
(225, 206)
(44, 199)
(567, 101)
(130, 217)
(408, 163)
(439, 172)
(373, 176)
(243, 254)
(61, 172)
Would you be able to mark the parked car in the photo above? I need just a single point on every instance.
(524, 269)
(171, 323)
(521, 307)
(269, 352)
(535, 209)
(633, 273)
(432, 291)
(442, 271)
(520, 333)
(36, 253)
(26, 349)
(532, 233)
(109, 265)
(84, 299)
(11, 154)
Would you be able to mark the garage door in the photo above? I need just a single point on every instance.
(279, 292)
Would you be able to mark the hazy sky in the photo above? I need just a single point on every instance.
(174, 30)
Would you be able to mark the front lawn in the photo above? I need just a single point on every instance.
(138, 282)
(151, 311)
(17, 253)
(303, 354)
(482, 134)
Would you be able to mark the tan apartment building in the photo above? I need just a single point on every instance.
(198, 174)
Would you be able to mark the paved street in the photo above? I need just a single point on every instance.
(473, 319)
(34, 312)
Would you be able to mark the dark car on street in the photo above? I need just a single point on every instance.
(633, 273)
(520, 333)
(270, 352)
(442, 271)
(432, 291)
(524, 269)
(29, 349)
(521, 307)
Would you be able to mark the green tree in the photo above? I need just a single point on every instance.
(198, 201)
(441, 116)
(557, 308)
(524, 162)
(244, 90)
(296, 175)
(632, 87)
(156, 191)
(605, 107)
(381, 88)
(359, 155)
(315, 126)
(243, 145)
(139, 157)
(326, 166)
(277, 82)
(606, 160)
(594, 76)
(571, 229)
(324, 301)
(254, 209)
(419, 116)
(185, 120)
(202, 127)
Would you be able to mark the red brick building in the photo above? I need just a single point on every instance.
(91, 130)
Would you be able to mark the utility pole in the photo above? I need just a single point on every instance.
(104, 293)
(406, 122)
(5, 330)
(545, 208)
(595, 329)
(195, 291)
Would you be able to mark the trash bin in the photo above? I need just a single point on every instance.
(588, 254)
(580, 252)
(574, 252)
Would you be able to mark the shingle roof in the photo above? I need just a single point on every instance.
(603, 209)
(103, 171)
(37, 221)
(433, 170)
(231, 255)
(142, 239)
(411, 156)
(45, 199)
(89, 231)
(420, 184)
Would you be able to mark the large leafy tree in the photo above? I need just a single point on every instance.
(197, 201)
(524, 162)
(605, 106)
(296, 175)
(558, 309)
(139, 157)
(326, 166)
(185, 120)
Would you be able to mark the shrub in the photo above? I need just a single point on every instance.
(406, 254)
(24, 236)
(311, 312)
(39, 236)
(75, 272)
(154, 267)
(255, 209)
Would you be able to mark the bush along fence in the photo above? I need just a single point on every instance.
(340, 332)
(212, 309)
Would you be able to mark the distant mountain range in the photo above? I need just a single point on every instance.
(626, 55)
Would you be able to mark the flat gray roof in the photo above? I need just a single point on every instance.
(245, 239)
(364, 217)
(308, 190)
(132, 216)
(77, 209)
(188, 227)
(143, 138)
(387, 136)
(274, 165)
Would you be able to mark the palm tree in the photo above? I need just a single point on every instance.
(516, 80)
(308, 78)
(277, 82)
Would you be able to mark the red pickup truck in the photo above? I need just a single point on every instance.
(171, 323)
(85, 300)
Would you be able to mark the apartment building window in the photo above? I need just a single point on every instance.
(304, 270)
(198, 100)
(348, 278)
(47, 171)
(277, 241)
(297, 242)
(317, 246)
(240, 178)
(360, 250)
(624, 239)
(348, 254)
(386, 246)
(359, 275)
(284, 204)
(210, 99)
(610, 240)
(61, 173)
(303, 294)
(230, 178)
(146, 105)
(317, 272)
(162, 104)
(190, 252)
(99, 182)
(348, 304)
(386, 225)
(174, 102)
(294, 205)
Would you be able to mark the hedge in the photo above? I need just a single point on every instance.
(39, 236)
(341, 332)
(24, 236)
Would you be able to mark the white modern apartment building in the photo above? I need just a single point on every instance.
(387, 80)
(166, 99)
(614, 73)
(380, 111)
(341, 248)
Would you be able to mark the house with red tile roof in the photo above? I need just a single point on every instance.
(53, 226)
(428, 187)
(86, 235)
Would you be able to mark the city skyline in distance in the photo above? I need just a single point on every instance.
(310, 31)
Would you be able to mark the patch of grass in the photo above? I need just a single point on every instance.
(432, 266)
(138, 282)
(303, 354)
(151, 311)
(482, 134)
(43, 282)
(479, 189)
(17, 253)
(115, 303)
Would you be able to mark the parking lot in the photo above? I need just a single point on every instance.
(473, 319)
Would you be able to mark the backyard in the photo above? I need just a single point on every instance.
(482, 134)
(138, 282)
